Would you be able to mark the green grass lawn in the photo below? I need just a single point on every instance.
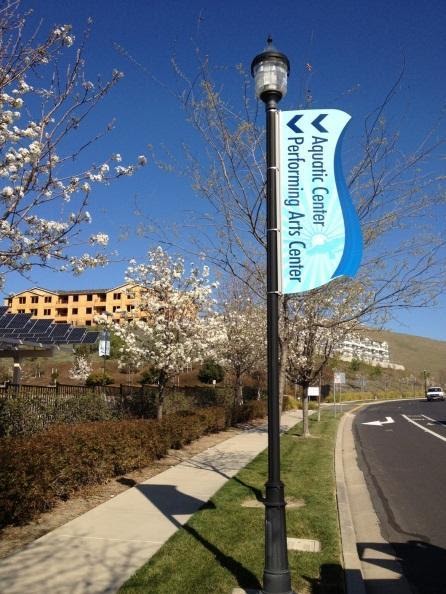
(222, 546)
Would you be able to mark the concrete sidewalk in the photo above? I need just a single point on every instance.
(98, 551)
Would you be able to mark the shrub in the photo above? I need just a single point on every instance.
(39, 470)
(21, 415)
(98, 379)
(149, 376)
(83, 408)
(24, 415)
(251, 392)
(210, 371)
(249, 411)
(290, 403)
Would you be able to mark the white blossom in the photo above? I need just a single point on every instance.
(81, 368)
(175, 324)
(40, 174)
(7, 191)
(99, 239)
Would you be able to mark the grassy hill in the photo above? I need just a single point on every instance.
(416, 353)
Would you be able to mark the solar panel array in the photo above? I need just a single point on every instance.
(21, 328)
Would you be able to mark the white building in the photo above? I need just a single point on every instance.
(365, 349)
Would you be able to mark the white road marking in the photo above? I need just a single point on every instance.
(380, 423)
(434, 421)
(424, 428)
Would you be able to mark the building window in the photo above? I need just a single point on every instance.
(74, 310)
(75, 298)
(89, 297)
(116, 296)
(34, 299)
(47, 312)
(33, 312)
(88, 323)
(22, 299)
(20, 311)
(130, 295)
(88, 310)
(130, 307)
(48, 299)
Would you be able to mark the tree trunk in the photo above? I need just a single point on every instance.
(160, 402)
(238, 392)
(305, 424)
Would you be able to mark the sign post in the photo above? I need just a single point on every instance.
(338, 380)
(315, 392)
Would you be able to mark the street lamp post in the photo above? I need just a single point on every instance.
(270, 70)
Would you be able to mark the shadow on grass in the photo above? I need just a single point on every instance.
(245, 578)
(178, 507)
(256, 491)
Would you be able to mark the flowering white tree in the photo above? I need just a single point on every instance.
(243, 349)
(313, 329)
(81, 368)
(176, 327)
(45, 96)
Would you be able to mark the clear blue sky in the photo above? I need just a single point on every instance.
(349, 43)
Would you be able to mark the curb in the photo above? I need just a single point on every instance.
(354, 581)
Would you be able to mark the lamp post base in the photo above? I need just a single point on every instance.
(276, 575)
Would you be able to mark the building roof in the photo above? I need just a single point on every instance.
(71, 292)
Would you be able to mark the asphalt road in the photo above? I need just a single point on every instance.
(404, 463)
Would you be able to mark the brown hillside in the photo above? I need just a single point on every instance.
(416, 353)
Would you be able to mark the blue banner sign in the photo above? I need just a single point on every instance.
(320, 235)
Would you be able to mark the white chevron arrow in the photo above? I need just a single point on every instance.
(380, 423)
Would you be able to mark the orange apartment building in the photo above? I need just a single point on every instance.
(79, 308)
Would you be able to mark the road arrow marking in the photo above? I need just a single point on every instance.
(292, 124)
(317, 122)
(380, 423)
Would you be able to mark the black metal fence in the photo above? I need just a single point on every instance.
(28, 408)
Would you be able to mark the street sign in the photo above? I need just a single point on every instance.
(339, 377)
(313, 391)
(320, 236)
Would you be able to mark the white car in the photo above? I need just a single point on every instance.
(435, 393)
